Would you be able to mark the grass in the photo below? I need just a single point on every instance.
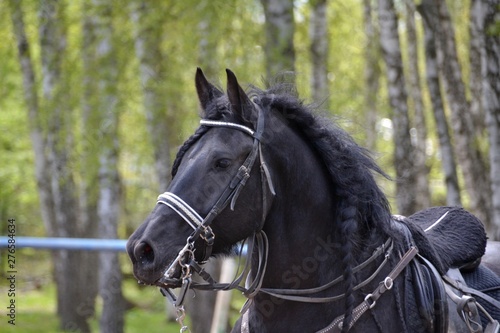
(36, 300)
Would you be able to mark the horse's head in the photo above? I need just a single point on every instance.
(206, 210)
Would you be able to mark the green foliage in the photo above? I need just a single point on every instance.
(239, 39)
(18, 195)
(235, 30)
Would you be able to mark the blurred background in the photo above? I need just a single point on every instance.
(96, 96)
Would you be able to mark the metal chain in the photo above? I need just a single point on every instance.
(181, 315)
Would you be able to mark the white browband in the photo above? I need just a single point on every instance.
(226, 124)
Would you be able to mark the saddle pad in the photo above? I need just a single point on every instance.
(458, 236)
(484, 280)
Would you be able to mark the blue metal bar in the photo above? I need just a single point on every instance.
(59, 243)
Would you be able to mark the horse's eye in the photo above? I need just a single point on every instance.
(223, 163)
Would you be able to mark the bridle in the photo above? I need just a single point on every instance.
(185, 259)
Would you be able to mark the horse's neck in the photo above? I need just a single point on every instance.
(300, 223)
(304, 248)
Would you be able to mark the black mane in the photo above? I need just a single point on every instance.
(349, 165)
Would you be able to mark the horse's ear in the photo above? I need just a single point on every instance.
(206, 91)
(240, 103)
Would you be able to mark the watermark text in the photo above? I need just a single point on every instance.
(11, 272)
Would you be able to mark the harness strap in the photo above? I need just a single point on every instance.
(298, 295)
(465, 289)
(371, 299)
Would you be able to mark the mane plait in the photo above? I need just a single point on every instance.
(185, 147)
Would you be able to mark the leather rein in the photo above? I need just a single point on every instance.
(257, 243)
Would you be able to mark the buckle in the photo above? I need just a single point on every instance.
(388, 283)
(208, 236)
(370, 301)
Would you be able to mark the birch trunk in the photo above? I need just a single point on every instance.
(72, 302)
(491, 103)
(35, 118)
(280, 27)
(89, 159)
(433, 83)
(318, 32)
(422, 192)
(53, 173)
(403, 148)
(148, 39)
(476, 56)
(471, 161)
(104, 98)
(371, 74)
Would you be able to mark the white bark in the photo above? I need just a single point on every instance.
(491, 103)
(99, 14)
(471, 160)
(433, 83)
(422, 192)
(318, 32)
(152, 61)
(371, 73)
(38, 140)
(403, 148)
(279, 27)
(476, 57)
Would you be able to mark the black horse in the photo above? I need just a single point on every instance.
(324, 252)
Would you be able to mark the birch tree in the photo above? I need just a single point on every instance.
(318, 33)
(476, 58)
(50, 119)
(104, 72)
(490, 71)
(422, 192)
(448, 163)
(403, 148)
(371, 73)
(279, 30)
(472, 162)
(59, 137)
(148, 23)
(89, 162)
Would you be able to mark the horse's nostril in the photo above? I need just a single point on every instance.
(144, 253)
